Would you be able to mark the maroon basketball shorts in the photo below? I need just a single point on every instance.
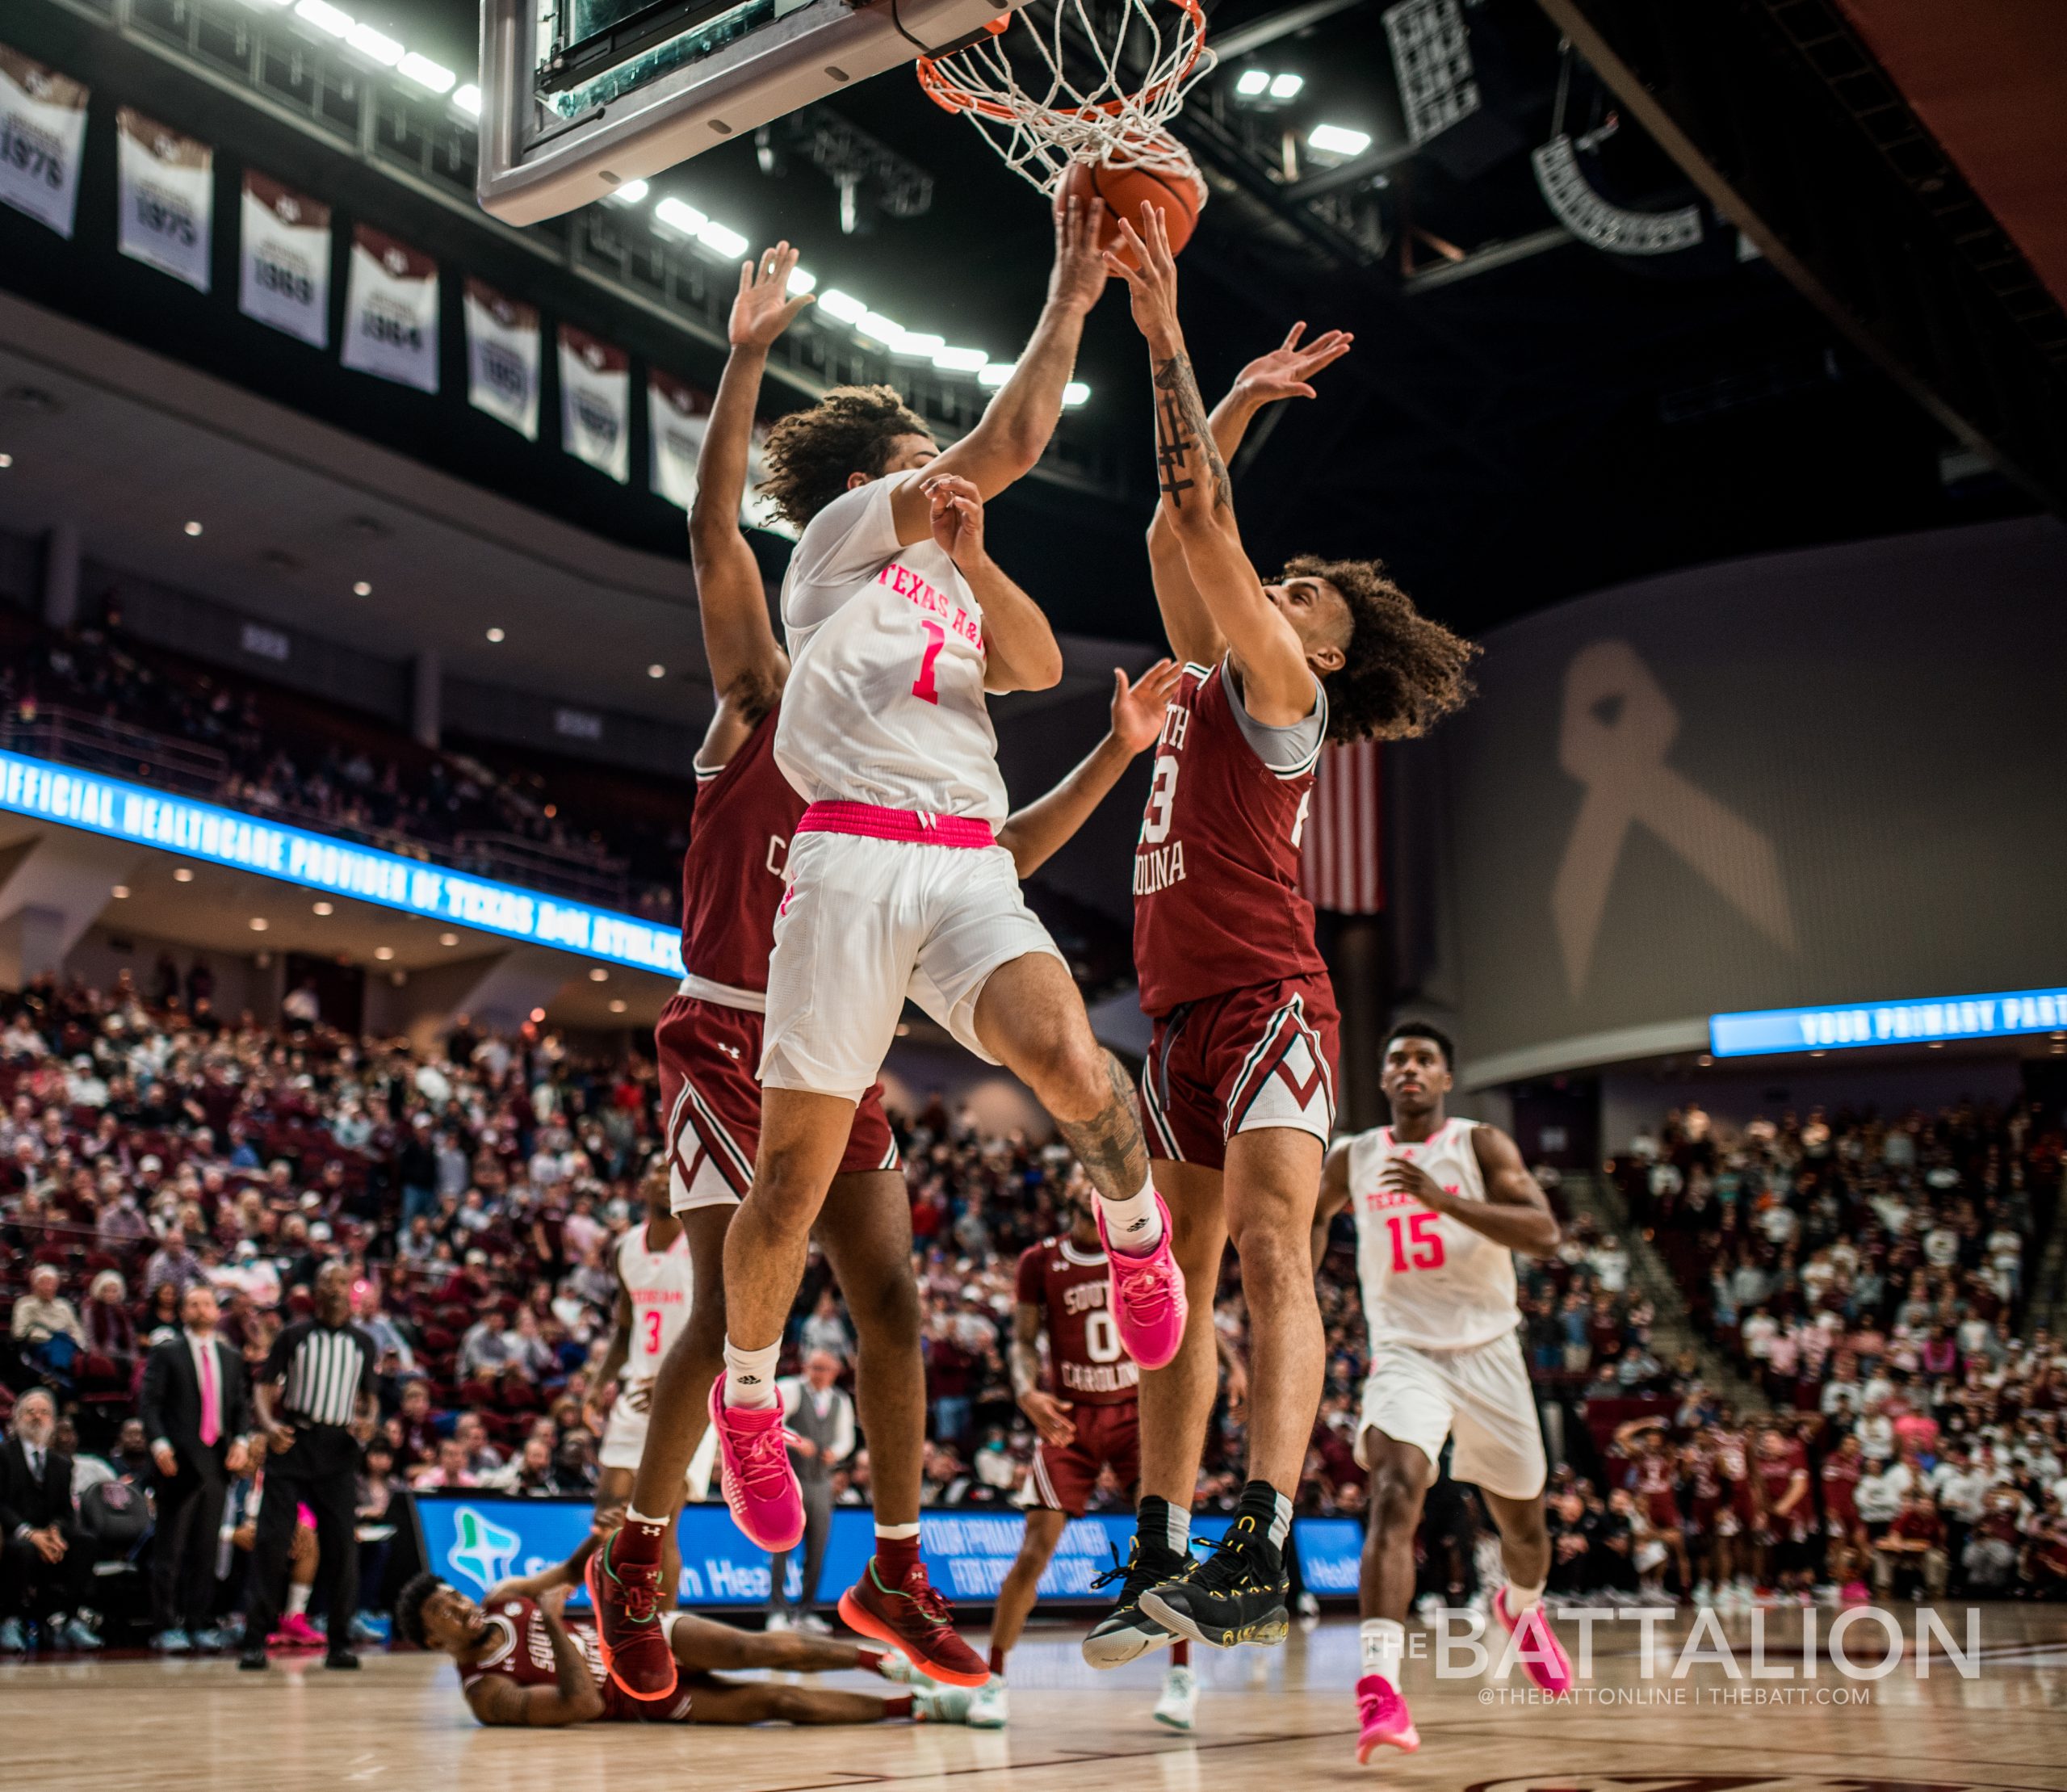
(711, 1105)
(1106, 1436)
(1257, 1057)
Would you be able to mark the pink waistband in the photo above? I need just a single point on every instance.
(915, 825)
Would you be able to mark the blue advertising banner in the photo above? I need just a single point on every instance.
(475, 1539)
(124, 811)
(1928, 1018)
(1331, 1555)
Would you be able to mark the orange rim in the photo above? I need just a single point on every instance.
(950, 96)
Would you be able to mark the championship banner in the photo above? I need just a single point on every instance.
(595, 403)
(677, 416)
(285, 250)
(391, 312)
(42, 127)
(167, 184)
(502, 358)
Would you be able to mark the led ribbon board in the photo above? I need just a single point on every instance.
(1931, 1019)
(216, 836)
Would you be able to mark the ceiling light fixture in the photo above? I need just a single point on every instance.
(1251, 82)
(631, 193)
(656, 670)
(495, 634)
(843, 305)
(800, 283)
(383, 953)
(193, 528)
(537, 1014)
(378, 45)
(259, 923)
(6, 460)
(120, 892)
(1076, 393)
(1286, 86)
(598, 974)
(363, 589)
(679, 215)
(448, 939)
(468, 100)
(1337, 140)
(960, 360)
(325, 17)
(324, 908)
(997, 373)
(427, 73)
(182, 874)
(617, 1006)
(726, 243)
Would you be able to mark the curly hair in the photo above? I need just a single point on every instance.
(1403, 672)
(408, 1607)
(811, 453)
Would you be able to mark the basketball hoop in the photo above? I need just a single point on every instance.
(1059, 88)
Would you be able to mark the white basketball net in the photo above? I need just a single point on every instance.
(1065, 96)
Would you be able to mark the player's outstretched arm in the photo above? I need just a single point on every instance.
(1020, 649)
(1335, 1197)
(1013, 433)
(618, 1351)
(1283, 373)
(547, 1581)
(1278, 687)
(748, 665)
(1036, 833)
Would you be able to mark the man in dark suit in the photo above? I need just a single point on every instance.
(43, 1563)
(196, 1408)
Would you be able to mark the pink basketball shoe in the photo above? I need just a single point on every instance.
(1541, 1655)
(1147, 1296)
(759, 1485)
(1384, 1721)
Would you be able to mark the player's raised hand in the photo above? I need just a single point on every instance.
(1078, 279)
(1151, 276)
(763, 307)
(1050, 1416)
(552, 1600)
(1284, 371)
(1138, 708)
(956, 518)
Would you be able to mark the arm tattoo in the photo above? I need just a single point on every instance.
(1182, 431)
(1109, 1145)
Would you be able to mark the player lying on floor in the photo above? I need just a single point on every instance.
(519, 1664)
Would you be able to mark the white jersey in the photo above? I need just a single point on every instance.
(1429, 1281)
(661, 1285)
(885, 701)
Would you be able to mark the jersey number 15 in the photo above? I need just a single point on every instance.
(1420, 1231)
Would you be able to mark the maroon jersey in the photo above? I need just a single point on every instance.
(1069, 1285)
(1216, 904)
(1657, 1490)
(1776, 1477)
(732, 875)
(1841, 1489)
(521, 1649)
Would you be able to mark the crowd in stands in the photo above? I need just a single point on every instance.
(477, 1193)
(272, 752)
(1869, 1278)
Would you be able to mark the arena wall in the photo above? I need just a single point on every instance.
(1823, 776)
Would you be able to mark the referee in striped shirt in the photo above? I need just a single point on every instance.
(315, 1401)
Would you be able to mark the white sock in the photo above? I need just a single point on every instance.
(297, 1600)
(750, 1375)
(1385, 1646)
(896, 1533)
(1134, 1226)
(1520, 1598)
(1281, 1519)
(1179, 1530)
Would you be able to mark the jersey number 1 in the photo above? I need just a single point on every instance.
(1428, 1242)
(923, 687)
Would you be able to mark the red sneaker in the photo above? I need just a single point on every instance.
(634, 1642)
(913, 1619)
(1383, 1720)
(1147, 1297)
(1541, 1655)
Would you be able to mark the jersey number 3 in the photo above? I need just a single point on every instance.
(923, 688)
(1162, 795)
(1420, 1230)
(652, 1332)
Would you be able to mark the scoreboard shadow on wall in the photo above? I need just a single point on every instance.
(580, 96)
(474, 1539)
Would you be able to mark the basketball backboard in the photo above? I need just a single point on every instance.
(578, 97)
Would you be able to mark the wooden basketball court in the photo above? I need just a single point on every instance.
(1274, 1719)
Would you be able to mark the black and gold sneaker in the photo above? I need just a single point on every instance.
(1125, 1633)
(1240, 1593)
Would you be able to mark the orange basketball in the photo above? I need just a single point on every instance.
(1125, 187)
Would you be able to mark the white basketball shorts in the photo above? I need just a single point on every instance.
(866, 923)
(1481, 1396)
(624, 1441)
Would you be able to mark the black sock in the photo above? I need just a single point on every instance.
(1259, 1503)
(1161, 1527)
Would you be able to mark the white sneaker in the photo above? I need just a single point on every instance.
(932, 1704)
(1178, 1707)
(778, 1622)
(1703, 1595)
(990, 1709)
(813, 1625)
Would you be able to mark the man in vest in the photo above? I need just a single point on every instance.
(819, 1417)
